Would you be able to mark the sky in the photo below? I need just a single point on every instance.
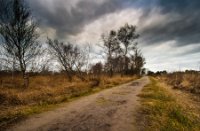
(169, 29)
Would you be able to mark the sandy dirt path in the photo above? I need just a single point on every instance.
(113, 109)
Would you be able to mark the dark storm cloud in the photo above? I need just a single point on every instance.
(179, 5)
(72, 20)
(185, 28)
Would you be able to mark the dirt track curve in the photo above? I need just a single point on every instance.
(109, 110)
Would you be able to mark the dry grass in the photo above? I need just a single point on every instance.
(45, 91)
(184, 81)
(161, 111)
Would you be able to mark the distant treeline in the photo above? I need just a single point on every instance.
(159, 73)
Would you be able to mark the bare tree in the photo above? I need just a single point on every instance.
(112, 48)
(87, 52)
(127, 35)
(71, 58)
(81, 61)
(18, 31)
(123, 55)
(118, 64)
(138, 61)
(97, 69)
(41, 64)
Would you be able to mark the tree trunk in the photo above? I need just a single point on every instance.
(110, 66)
(69, 76)
(125, 65)
(111, 72)
(25, 79)
(1, 82)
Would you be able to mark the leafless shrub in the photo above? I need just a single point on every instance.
(70, 57)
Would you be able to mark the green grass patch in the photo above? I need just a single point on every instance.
(161, 111)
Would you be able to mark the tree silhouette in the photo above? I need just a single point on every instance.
(70, 57)
(112, 47)
(19, 35)
(127, 36)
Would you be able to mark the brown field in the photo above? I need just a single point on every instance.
(188, 81)
(46, 91)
